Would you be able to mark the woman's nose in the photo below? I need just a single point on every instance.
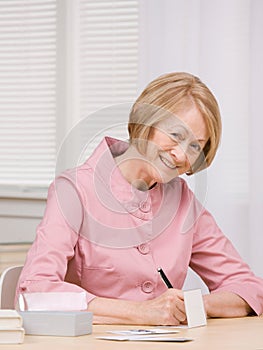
(179, 154)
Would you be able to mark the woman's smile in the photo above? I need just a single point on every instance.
(167, 163)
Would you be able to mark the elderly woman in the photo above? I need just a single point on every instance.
(111, 222)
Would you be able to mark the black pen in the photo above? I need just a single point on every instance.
(164, 277)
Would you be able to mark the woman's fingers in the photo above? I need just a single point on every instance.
(167, 309)
(180, 313)
(175, 305)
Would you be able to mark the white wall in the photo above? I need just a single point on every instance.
(19, 218)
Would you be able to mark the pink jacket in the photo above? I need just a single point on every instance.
(101, 237)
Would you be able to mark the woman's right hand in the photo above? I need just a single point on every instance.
(166, 309)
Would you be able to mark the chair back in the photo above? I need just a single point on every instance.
(8, 282)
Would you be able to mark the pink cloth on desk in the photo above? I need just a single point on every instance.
(101, 237)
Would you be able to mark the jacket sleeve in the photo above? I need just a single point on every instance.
(220, 266)
(42, 283)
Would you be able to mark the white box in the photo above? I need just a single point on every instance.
(57, 323)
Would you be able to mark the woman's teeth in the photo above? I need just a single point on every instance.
(167, 163)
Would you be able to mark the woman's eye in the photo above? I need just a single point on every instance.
(176, 136)
(196, 147)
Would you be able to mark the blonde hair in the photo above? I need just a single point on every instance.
(169, 94)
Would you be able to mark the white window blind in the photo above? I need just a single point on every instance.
(108, 66)
(27, 92)
(35, 40)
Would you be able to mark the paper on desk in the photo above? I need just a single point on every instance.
(150, 331)
(150, 338)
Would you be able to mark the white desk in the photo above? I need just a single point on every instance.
(219, 334)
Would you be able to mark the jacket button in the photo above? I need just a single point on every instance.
(145, 207)
(147, 287)
(144, 248)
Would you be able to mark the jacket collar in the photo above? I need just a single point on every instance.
(110, 184)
